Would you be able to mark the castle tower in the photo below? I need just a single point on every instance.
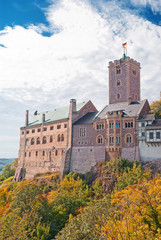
(124, 80)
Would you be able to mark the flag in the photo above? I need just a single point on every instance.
(124, 44)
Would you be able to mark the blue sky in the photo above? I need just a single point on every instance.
(51, 51)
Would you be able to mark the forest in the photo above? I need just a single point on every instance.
(115, 200)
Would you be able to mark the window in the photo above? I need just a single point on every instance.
(36, 153)
(22, 132)
(134, 72)
(111, 125)
(29, 154)
(118, 71)
(118, 83)
(151, 135)
(45, 129)
(44, 140)
(100, 126)
(51, 138)
(128, 138)
(27, 142)
(62, 152)
(62, 137)
(56, 153)
(33, 130)
(118, 96)
(111, 139)
(38, 140)
(86, 142)
(25, 154)
(58, 138)
(43, 153)
(128, 124)
(65, 125)
(117, 139)
(82, 132)
(58, 126)
(118, 125)
(157, 135)
(32, 141)
(51, 128)
(100, 139)
(143, 134)
(27, 132)
(39, 129)
(143, 124)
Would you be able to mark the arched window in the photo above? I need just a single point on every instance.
(118, 83)
(36, 153)
(44, 140)
(129, 124)
(118, 95)
(27, 142)
(126, 125)
(132, 124)
(51, 138)
(56, 152)
(58, 138)
(62, 137)
(38, 140)
(100, 139)
(128, 138)
(43, 153)
(32, 141)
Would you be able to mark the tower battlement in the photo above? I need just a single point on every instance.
(122, 61)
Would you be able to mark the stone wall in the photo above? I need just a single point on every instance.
(84, 158)
(149, 152)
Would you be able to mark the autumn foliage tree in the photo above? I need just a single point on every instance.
(156, 108)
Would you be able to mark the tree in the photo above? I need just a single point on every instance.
(156, 108)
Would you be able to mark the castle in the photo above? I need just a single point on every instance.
(75, 138)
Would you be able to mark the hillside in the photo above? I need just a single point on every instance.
(115, 200)
(4, 162)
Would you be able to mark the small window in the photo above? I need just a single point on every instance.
(32, 141)
(36, 153)
(45, 129)
(27, 132)
(143, 124)
(118, 96)
(27, 142)
(111, 139)
(51, 138)
(58, 138)
(100, 126)
(56, 153)
(143, 134)
(62, 137)
(39, 129)
(43, 153)
(118, 71)
(117, 139)
(118, 83)
(134, 72)
(51, 128)
(128, 139)
(38, 140)
(33, 130)
(86, 142)
(29, 154)
(131, 124)
(157, 135)
(82, 132)
(58, 126)
(151, 135)
(65, 125)
(44, 140)
(22, 132)
(100, 139)
(25, 154)
(82, 142)
(111, 125)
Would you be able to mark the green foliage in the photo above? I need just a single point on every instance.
(9, 170)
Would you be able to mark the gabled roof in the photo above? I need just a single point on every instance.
(54, 115)
(130, 110)
(87, 119)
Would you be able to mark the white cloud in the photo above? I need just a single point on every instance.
(155, 4)
(42, 73)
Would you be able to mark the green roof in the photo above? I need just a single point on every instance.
(54, 115)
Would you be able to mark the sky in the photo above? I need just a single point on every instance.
(55, 50)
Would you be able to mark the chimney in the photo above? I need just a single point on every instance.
(43, 117)
(73, 105)
(27, 118)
